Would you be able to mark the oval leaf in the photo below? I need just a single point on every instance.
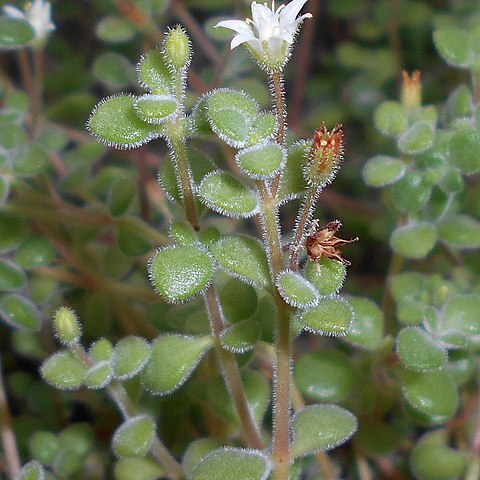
(321, 427)
(224, 194)
(180, 273)
(173, 358)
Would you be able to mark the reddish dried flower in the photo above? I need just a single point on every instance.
(325, 155)
(322, 242)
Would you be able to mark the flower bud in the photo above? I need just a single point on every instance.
(177, 48)
(325, 155)
(411, 95)
(67, 327)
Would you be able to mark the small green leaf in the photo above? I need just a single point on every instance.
(390, 119)
(19, 312)
(173, 359)
(332, 316)
(113, 29)
(239, 300)
(325, 376)
(121, 196)
(416, 139)
(180, 273)
(433, 462)
(156, 109)
(292, 184)
(114, 122)
(233, 464)
(226, 195)
(464, 151)
(64, 370)
(242, 336)
(326, 274)
(296, 290)
(194, 453)
(154, 74)
(414, 240)
(32, 470)
(138, 469)
(453, 45)
(411, 192)
(432, 394)
(366, 329)
(459, 231)
(261, 161)
(15, 33)
(134, 436)
(130, 356)
(382, 170)
(244, 258)
(98, 376)
(321, 427)
(418, 351)
(11, 277)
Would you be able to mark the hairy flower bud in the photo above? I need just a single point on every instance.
(325, 156)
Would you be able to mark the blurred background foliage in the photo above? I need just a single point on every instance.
(78, 221)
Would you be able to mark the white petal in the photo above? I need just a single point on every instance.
(236, 25)
(13, 12)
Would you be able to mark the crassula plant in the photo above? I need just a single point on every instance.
(207, 337)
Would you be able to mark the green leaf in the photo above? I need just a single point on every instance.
(130, 356)
(64, 370)
(434, 462)
(233, 464)
(390, 119)
(321, 427)
(459, 231)
(122, 194)
(262, 161)
(453, 46)
(292, 184)
(194, 453)
(296, 290)
(326, 274)
(154, 74)
(464, 151)
(411, 192)
(114, 29)
(239, 300)
(19, 312)
(32, 470)
(414, 240)
(366, 329)
(242, 257)
(98, 376)
(180, 273)
(417, 138)
(332, 316)
(114, 122)
(15, 33)
(134, 437)
(418, 351)
(156, 109)
(432, 394)
(242, 336)
(138, 469)
(173, 359)
(382, 170)
(326, 376)
(11, 277)
(226, 195)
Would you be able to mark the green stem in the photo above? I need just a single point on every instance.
(9, 444)
(283, 342)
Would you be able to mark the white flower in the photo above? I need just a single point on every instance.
(269, 34)
(38, 14)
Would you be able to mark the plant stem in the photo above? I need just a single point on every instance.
(278, 93)
(9, 444)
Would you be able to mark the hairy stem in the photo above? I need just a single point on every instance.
(9, 444)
